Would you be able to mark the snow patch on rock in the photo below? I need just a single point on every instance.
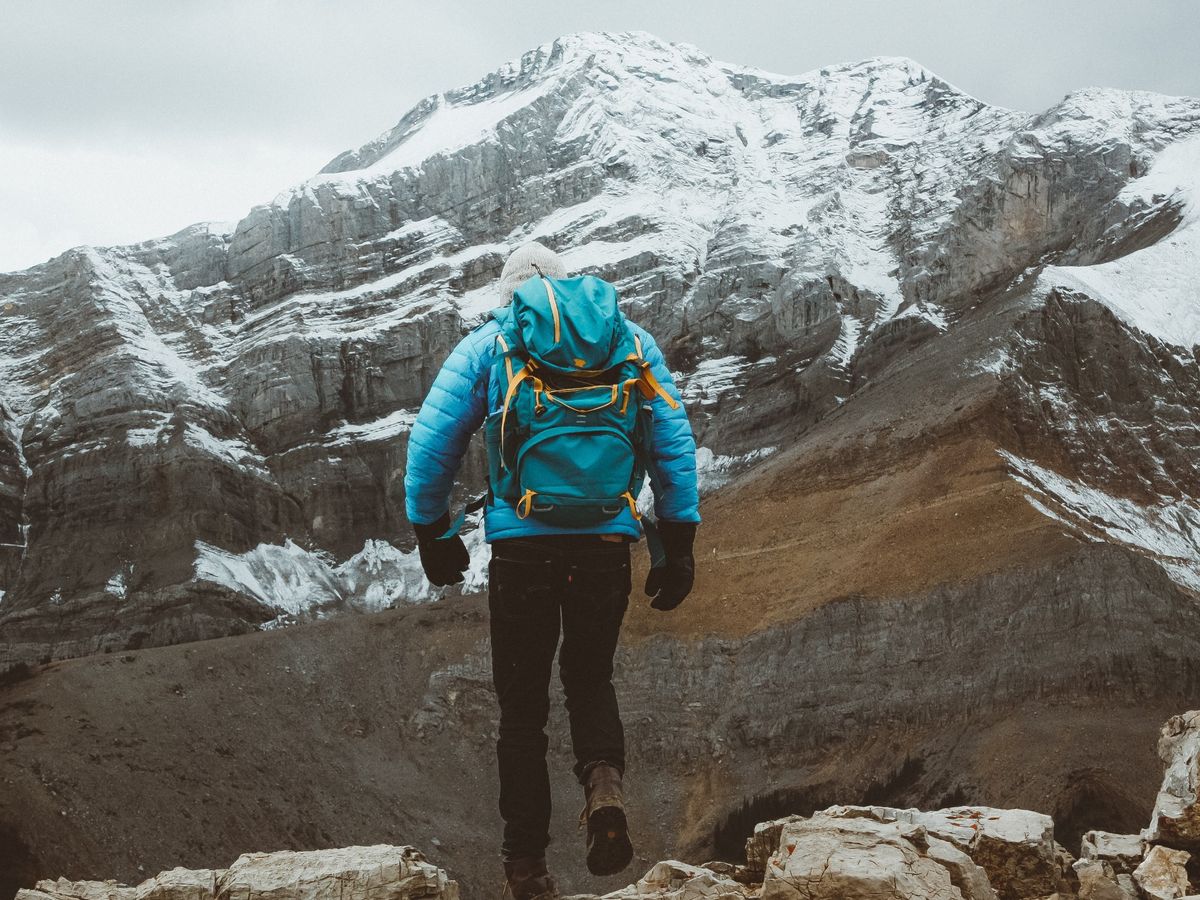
(847, 341)
(118, 585)
(714, 471)
(285, 577)
(1167, 532)
(386, 428)
(1153, 289)
(296, 582)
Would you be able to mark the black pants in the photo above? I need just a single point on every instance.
(536, 586)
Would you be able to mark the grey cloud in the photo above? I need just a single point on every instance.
(162, 80)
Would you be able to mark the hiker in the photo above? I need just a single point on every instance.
(579, 407)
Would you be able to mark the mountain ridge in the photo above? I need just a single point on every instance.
(797, 237)
(952, 489)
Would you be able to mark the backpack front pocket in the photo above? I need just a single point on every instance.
(575, 475)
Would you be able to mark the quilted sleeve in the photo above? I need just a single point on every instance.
(672, 464)
(453, 411)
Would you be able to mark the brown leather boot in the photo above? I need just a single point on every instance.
(608, 847)
(528, 879)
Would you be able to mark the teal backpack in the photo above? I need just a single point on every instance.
(569, 442)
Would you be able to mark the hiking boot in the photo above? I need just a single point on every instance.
(528, 879)
(608, 847)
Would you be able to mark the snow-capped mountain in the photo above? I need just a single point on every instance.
(206, 432)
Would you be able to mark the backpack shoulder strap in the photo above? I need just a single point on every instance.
(650, 386)
(514, 379)
(507, 353)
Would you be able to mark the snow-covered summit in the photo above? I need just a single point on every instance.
(596, 64)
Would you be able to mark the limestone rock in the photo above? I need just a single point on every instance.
(764, 842)
(62, 889)
(1014, 846)
(350, 873)
(1098, 881)
(179, 884)
(674, 880)
(379, 872)
(1176, 819)
(1162, 874)
(830, 858)
(970, 879)
(1122, 852)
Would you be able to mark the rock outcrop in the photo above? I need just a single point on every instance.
(361, 873)
(1016, 848)
(1176, 821)
(1122, 852)
(675, 880)
(1162, 875)
(978, 846)
(828, 857)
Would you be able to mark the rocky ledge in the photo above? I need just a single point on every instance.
(348, 873)
(840, 853)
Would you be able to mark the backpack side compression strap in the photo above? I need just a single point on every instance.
(508, 396)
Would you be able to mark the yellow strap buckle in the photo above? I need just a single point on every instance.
(651, 387)
(525, 504)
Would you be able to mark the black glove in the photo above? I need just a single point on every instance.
(443, 560)
(670, 583)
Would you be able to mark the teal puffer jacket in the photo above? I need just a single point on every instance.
(461, 398)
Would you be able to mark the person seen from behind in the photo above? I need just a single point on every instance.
(578, 409)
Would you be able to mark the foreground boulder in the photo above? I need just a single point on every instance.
(1162, 875)
(1098, 881)
(1123, 852)
(1015, 847)
(1176, 819)
(675, 880)
(361, 873)
(828, 857)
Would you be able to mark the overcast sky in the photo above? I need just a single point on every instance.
(127, 119)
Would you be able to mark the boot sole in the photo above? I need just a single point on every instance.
(609, 849)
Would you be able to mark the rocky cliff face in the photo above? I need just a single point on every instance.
(206, 432)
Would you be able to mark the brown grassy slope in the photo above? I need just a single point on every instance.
(783, 542)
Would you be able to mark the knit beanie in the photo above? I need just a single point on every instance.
(520, 267)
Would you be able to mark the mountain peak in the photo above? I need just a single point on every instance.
(451, 120)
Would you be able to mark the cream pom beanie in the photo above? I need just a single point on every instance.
(524, 262)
